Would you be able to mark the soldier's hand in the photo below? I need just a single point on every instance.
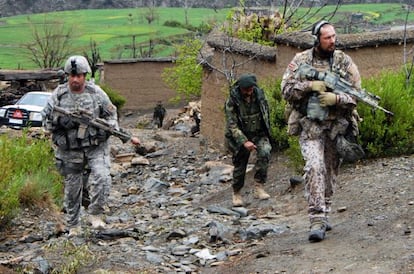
(249, 145)
(327, 99)
(135, 141)
(318, 86)
(102, 135)
(66, 122)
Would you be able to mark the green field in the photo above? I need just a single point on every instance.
(113, 30)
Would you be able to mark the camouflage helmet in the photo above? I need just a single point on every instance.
(77, 64)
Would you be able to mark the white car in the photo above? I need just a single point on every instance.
(26, 111)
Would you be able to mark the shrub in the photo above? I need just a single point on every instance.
(185, 77)
(271, 87)
(382, 135)
(28, 176)
(117, 99)
(173, 24)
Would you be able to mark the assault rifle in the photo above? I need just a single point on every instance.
(84, 119)
(339, 85)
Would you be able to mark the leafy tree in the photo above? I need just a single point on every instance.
(185, 77)
(51, 43)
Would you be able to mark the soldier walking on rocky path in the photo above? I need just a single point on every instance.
(248, 130)
(319, 117)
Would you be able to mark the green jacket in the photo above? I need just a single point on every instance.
(235, 133)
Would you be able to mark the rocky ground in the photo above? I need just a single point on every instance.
(170, 212)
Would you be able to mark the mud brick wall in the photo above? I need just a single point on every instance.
(139, 81)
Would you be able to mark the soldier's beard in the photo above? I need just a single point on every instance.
(326, 52)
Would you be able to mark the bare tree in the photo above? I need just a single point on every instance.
(229, 64)
(151, 14)
(51, 43)
(93, 58)
(187, 6)
(252, 26)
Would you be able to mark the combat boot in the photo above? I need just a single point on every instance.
(259, 192)
(75, 231)
(328, 226)
(237, 199)
(96, 222)
(317, 231)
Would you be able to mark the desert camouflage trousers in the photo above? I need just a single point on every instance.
(241, 159)
(320, 172)
(86, 173)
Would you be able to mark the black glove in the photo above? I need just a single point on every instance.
(102, 135)
(66, 122)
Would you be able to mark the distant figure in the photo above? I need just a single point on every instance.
(197, 118)
(159, 114)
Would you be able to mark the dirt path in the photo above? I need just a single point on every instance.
(372, 222)
(372, 225)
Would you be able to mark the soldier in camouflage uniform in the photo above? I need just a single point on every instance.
(80, 150)
(317, 135)
(248, 130)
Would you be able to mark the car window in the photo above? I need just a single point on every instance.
(34, 99)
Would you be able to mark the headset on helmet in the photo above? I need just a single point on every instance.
(316, 30)
(77, 65)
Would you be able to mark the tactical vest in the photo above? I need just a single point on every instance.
(251, 118)
(312, 109)
(82, 136)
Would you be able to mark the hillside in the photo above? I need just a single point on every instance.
(15, 7)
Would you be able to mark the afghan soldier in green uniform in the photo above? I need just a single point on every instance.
(248, 130)
(318, 117)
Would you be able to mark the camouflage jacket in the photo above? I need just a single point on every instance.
(235, 132)
(93, 99)
(296, 91)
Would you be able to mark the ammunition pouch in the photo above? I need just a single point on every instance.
(70, 139)
(347, 150)
(293, 123)
(66, 167)
(252, 123)
(314, 111)
(59, 139)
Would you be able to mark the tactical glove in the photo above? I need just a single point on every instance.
(102, 135)
(327, 99)
(66, 122)
(318, 86)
